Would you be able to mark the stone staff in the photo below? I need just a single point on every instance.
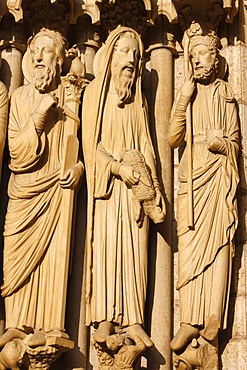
(189, 134)
(74, 84)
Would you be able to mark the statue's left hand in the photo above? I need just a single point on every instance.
(71, 179)
(217, 145)
(159, 201)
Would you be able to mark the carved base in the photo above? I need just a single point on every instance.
(200, 354)
(34, 351)
(42, 357)
(121, 350)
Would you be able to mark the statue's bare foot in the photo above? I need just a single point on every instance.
(183, 336)
(138, 330)
(37, 339)
(104, 330)
(11, 334)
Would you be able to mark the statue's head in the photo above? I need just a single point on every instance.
(114, 342)
(124, 63)
(47, 49)
(204, 56)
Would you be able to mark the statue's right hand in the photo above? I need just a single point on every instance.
(47, 102)
(128, 175)
(188, 87)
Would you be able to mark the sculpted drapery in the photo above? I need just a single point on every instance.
(206, 249)
(33, 224)
(116, 246)
(31, 227)
(215, 179)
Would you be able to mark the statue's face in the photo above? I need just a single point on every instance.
(45, 63)
(126, 54)
(43, 52)
(203, 61)
(201, 55)
(123, 67)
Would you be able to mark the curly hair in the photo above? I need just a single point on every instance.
(59, 41)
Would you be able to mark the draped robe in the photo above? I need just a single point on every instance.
(116, 248)
(32, 221)
(205, 252)
(3, 119)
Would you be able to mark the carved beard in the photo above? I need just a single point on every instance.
(42, 78)
(203, 73)
(123, 78)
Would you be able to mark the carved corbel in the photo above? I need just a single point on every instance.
(167, 8)
(15, 8)
(231, 9)
(121, 351)
(199, 355)
(85, 7)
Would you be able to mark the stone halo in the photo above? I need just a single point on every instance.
(99, 57)
(27, 67)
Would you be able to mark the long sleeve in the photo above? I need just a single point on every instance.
(104, 178)
(25, 145)
(177, 127)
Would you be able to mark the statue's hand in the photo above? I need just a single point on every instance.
(128, 175)
(188, 87)
(71, 179)
(217, 145)
(48, 101)
(159, 200)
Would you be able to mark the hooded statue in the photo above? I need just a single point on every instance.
(117, 243)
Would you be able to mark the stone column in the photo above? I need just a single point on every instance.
(88, 42)
(13, 38)
(160, 250)
(11, 71)
(232, 341)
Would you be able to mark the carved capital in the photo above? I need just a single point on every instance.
(74, 85)
(161, 36)
(33, 351)
(87, 33)
(42, 357)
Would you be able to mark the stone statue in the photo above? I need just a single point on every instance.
(114, 127)
(205, 249)
(33, 226)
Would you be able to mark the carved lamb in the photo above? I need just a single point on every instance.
(144, 194)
